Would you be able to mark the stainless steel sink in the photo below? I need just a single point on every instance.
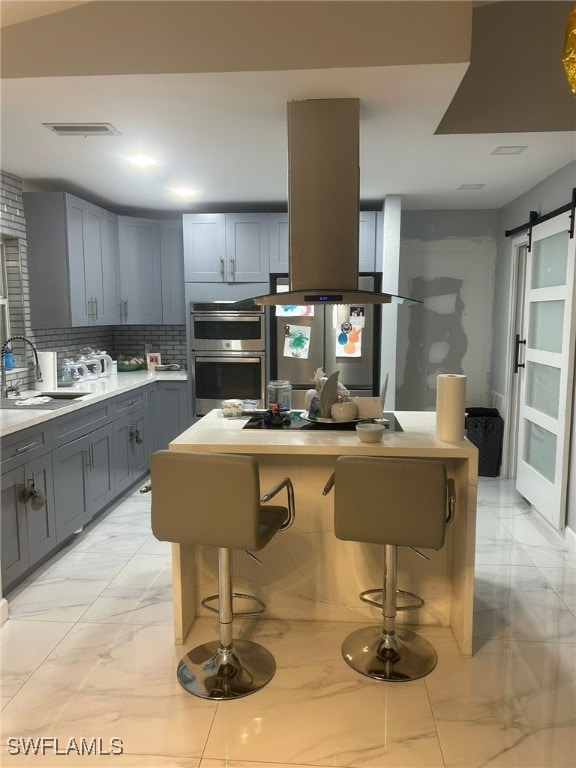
(62, 395)
(60, 400)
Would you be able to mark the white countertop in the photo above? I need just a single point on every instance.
(15, 419)
(214, 433)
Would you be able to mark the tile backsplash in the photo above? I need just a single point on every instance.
(126, 340)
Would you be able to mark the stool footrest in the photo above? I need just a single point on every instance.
(239, 596)
(418, 602)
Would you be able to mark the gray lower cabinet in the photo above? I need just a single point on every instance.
(58, 476)
(83, 480)
(131, 447)
(28, 517)
(172, 411)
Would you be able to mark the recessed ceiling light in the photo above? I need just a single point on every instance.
(471, 186)
(511, 150)
(141, 161)
(184, 193)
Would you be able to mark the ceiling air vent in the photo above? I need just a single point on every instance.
(83, 129)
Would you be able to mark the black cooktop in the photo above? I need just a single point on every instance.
(257, 422)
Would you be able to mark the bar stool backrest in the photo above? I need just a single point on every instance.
(395, 501)
(206, 498)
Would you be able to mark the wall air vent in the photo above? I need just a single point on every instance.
(83, 129)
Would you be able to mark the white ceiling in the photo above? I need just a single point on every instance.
(224, 134)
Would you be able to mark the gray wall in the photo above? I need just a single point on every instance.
(447, 259)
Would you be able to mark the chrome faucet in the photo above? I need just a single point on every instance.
(37, 369)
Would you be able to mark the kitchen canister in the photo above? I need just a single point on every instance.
(48, 362)
(450, 407)
(280, 394)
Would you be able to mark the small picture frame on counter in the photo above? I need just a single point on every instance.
(152, 360)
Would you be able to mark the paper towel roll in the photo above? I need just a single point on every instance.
(450, 407)
(48, 362)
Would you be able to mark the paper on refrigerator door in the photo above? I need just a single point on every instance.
(349, 341)
(297, 341)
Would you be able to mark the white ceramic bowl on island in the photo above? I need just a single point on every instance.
(370, 433)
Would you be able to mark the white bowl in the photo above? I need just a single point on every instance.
(370, 433)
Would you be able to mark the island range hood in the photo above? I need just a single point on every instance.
(324, 206)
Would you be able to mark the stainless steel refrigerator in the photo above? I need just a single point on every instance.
(358, 361)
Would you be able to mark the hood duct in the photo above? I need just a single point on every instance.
(324, 205)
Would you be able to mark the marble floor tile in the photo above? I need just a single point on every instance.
(501, 492)
(517, 602)
(112, 542)
(512, 704)
(543, 545)
(112, 681)
(60, 600)
(563, 582)
(141, 593)
(78, 567)
(23, 649)
(154, 547)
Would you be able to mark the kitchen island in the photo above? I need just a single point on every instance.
(306, 573)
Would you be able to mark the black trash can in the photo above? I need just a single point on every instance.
(485, 428)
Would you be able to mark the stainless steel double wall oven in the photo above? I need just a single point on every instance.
(227, 354)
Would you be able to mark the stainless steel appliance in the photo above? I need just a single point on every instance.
(359, 374)
(228, 357)
(215, 326)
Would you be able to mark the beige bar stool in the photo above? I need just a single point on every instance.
(214, 499)
(394, 502)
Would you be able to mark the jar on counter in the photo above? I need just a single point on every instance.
(232, 408)
(280, 394)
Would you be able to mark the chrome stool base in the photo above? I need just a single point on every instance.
(399, 657)
(213, 671)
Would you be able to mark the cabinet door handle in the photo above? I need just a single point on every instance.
(92, 463)
(222, 268)
(233, 268)
(96, 307)
(26, 447)
(88, 463)
(125, 310)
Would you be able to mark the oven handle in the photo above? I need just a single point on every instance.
(231, 358)
(227, 318)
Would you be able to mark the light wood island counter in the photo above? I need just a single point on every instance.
(306, 573)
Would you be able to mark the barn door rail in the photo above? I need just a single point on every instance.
(535, 218)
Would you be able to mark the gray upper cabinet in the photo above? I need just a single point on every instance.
(279, 242)
(72, 256)
(139, 271)
(172, 261)
(226, 248)
(204, 247)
